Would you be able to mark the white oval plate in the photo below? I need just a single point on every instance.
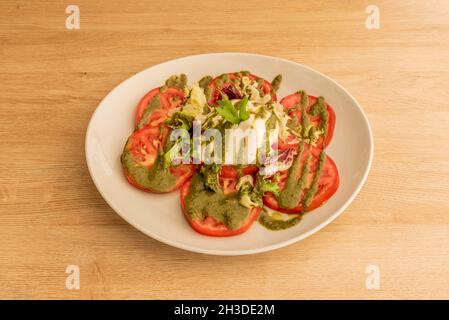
(160, 216)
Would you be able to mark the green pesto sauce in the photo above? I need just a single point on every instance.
(179, 81)
(154, 104)
(274, 224)
(305, 123)
(156, 179)
(208, 93)
(205, 81)
(304, 102)
(226, 209)
(316, 178)
(320, 108)
(276, 83)
(293, 123)
(270, 124)
(290, 196)
(222, 79)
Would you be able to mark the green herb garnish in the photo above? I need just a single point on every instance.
(228, 111)
(243, 112)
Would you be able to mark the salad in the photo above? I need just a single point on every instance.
(236, 153)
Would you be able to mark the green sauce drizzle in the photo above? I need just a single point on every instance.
(222, 79)
(179, 81)
(314, 187)
(291, 194)
(304, 102)
(205, 81)
(154, 104)
(274, 224)
(320, 108)
(201, 201)
(305, 124)
(156, 179)
(276, 83)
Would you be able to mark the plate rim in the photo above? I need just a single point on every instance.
(271, 247)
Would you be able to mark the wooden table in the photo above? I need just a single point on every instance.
(52, 79)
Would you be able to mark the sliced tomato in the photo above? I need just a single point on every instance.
(169, 98)
(142, 148)
(327, 185)
(141, 151)
(289, 102)
(210, 226)
(234, 172)
(143, 145)
(228, 87)
(183, 172)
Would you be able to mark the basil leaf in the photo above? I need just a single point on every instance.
(243, 113)
(228, 111)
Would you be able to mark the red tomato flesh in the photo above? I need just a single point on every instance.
(233, 172)
(170, 98)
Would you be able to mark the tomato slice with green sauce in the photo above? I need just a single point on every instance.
(311, 180)
(143, 162)
(321, 114)
(216, 214)
(226, 83)
(142, 157)
(158, 100)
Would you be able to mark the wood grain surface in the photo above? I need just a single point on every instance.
(52, 79)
